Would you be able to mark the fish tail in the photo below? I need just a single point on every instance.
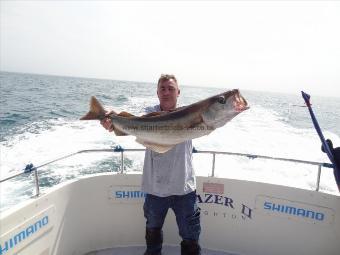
(97, 112)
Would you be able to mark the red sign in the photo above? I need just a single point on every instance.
(215, 188)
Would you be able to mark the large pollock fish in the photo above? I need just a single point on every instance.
(160, 131)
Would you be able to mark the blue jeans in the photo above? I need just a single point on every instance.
(185, 208)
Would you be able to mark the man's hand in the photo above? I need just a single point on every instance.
(106, 122)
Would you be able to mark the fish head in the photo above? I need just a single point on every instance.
(224, 107)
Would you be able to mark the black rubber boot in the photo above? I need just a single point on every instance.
(154, 241)
(190, 247)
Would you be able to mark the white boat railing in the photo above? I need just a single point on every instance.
(118, 149)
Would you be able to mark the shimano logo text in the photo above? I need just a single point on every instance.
(129, 194)
(21, 236)
(300, 212)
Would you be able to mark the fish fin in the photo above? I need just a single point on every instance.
(177, 109)
(196, 122)
(126, 114)
(160, 148)
(118, 132)
(154, 114)
(96, 112)
(159, 113)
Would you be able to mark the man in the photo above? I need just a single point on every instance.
(169, 182)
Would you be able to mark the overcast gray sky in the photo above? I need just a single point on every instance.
(259, 45)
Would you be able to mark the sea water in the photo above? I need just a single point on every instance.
(39, 122)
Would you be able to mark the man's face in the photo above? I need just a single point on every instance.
(168, 92)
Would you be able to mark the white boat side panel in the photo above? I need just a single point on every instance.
(25, 233)
(248, 218)
(256, 226)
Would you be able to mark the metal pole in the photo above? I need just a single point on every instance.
(122, 162)
(318, 179)
(213, 165)
(25, 171)
(36, 182)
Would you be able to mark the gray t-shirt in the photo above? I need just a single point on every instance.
(170, 173)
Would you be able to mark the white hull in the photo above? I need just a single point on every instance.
(239, 217)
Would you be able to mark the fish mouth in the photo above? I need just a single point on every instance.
(239, 103)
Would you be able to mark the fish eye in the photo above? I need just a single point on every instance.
(221, 100)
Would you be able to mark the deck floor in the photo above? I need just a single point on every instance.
(139, 250)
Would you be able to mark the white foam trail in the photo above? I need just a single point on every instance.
(260, 131)
(62, 138)
(256, 131)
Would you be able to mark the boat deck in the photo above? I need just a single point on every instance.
(139, 250)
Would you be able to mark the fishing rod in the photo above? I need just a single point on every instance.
(327, 146)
